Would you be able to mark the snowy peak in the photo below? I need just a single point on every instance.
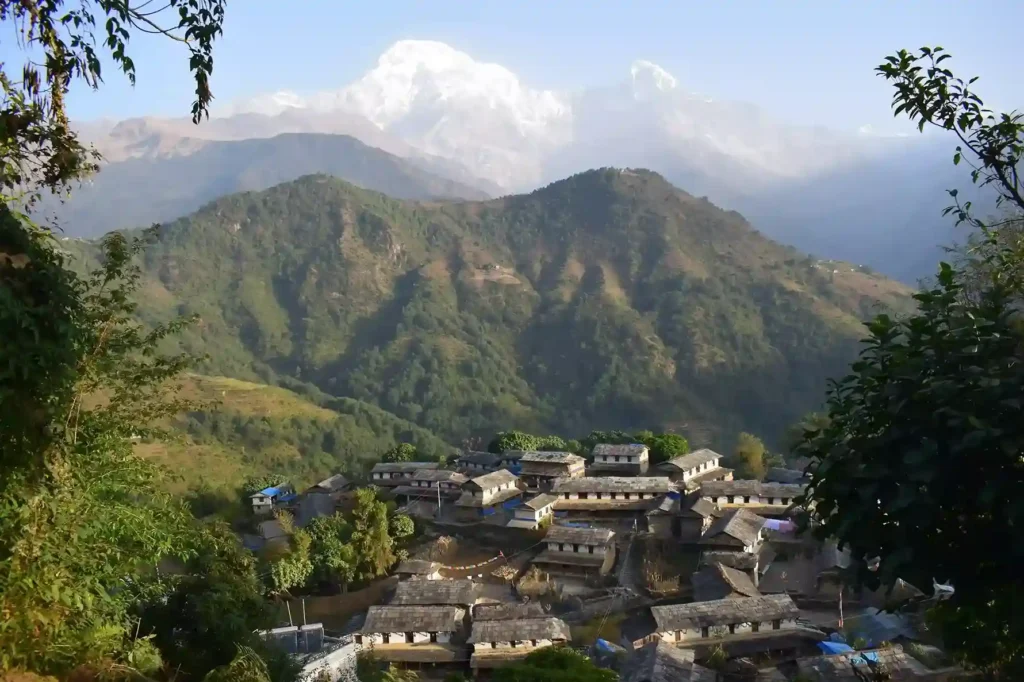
(649, 78)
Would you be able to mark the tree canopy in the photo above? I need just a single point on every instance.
(554, 664)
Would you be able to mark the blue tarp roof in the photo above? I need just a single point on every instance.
(835, 647)
(270, 492)
(603, 645)
(287, 498)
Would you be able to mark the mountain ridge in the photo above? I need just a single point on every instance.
(608, 299)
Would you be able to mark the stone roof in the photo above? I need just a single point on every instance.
(668, 505)
(844, 667)
(540, 501)
(613, 484)
(519, 630)
(781, 475)
(435, 592)
(623, 450)
(661, 662)
(418, 567)
(744, 561)
(550, 457)
(578, 536)
(752, 488)
(402, 467)
(331, 484)
(488, 459)
(434, 475)
(718, 581)
(493, 479)
(466, 499)
(692, 460)
(702, 614)
(740, 524)
(508, 611)
(705, 508)
(381, 619)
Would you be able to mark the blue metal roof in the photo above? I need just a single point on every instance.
(271, 492)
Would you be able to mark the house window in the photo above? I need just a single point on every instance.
(566, 496)
(494, 645)
(732, 629)
(576, 548)
(591, 548)
(583, 496)
(746, 499)
(613, 496)
(776, 624)
(625, 496)
(676, 635)
(408, 638)
(616, 458)
(704, 632)
(359, 639)
(433, 637)
(755, 627)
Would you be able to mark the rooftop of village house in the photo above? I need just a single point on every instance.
(543, 457)
(751, 488)
(540, 501)
(508, 611)
(845, 667)
(741, 524)
(662, 662)
(331, 484)
(435, 592)
(701, 614)
(492, 480)
(477, 457)
(613, 484)
(435, 475)
(704, 508)
(417, 567)
(390, 618)
(781, 475)
(719, 581)
(692, 460)
(744, 561)
(519, 630)
(620, 450)
(578, 536)
(402, 467)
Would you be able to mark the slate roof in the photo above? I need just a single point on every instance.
(668, 505)
(435, 592)
(434, 475)
(519, 630)
(661, 662)
(331, 484)
(740, 524)
(540, 501)
(613, 484)
(493, 479)
(488, 459)
(704, 508)
(402, 467)
(418, 567)
(744, 561)
(466, 499)
(622, 450)
(842, 667)
(702, 614)
(578, 536)
(381, 619)
(752, 488)
(692, 460)
(718, 581)
(508, 611)
(550, 457)
(781, 475)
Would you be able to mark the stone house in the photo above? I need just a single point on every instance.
(539, 470)
(627, 459)
(474, 463)
(417, 569)
(663, 662)
(738, 530)
(680, 518)
(426, 483)
(487, 495)
(264, 501)
(718, 581)
(499, 642)
(707, 622)
(609, 497)
(445, 592)
(394, 474)
(768, 499)
(414, 634)
(694, 468)
(532, 512)
(577, 551)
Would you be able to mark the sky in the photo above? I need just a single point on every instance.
(805, 62)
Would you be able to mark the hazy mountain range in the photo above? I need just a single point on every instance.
(856, 196)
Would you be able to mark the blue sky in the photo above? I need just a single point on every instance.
(807, 62)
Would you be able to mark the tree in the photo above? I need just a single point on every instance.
(750, 457)
(512, 440)
(82, 521)
(663, 446)
(919, 464)
(403, 452)
(371, 538)
(333, 557)
(554, 664)
(401, 526)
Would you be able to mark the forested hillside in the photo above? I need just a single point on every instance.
(608, 300)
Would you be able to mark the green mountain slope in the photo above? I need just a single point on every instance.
(246, 429)
(142, 191)
(610, 299)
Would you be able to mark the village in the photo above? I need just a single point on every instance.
(671, 571)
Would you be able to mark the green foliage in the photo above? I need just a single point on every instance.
(750, 457)
(295, 567)
(403, 452)
(663, 446)
(246, 666)
(513, 440)
(393, 304)
(254, 484)
(401, 526)
(334, 558)
(371, 538)
(370, 669)
(554, 664)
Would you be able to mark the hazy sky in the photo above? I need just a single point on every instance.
(808, 62)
